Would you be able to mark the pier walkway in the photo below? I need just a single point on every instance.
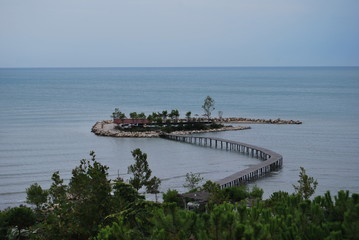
(271, 160)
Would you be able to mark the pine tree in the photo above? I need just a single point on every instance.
(140, 169)
(307, 185)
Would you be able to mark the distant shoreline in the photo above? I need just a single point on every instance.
(107, 128)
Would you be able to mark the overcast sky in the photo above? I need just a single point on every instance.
(163, 33)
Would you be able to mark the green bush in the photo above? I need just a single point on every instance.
(3, 225)
(256, 192)
(20, 217)
(236, 194)
(172, 196)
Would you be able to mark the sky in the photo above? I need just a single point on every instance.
(178, 33)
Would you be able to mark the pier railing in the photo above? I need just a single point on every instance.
(271, 160)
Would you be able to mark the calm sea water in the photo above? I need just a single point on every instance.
(46, 116)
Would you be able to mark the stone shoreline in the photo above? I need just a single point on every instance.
(253, 120)
(107, 127)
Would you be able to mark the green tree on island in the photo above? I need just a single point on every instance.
(154, 117)
(208, 106)
(117, 114)
(174, 114)
(133, 116)
(141, 115)
(220, 114)
(188, 115)
(164, 114)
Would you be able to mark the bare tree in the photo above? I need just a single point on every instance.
(208, 106)
(192, 180)
(220, 114)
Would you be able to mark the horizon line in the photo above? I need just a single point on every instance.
(319, 66)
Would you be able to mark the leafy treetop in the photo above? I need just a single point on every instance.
(208, 106)
(307, 185)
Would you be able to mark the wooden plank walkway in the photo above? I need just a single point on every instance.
(271, 160)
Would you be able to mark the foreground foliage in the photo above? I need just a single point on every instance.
(283, 216)
(91, 206)
(306, 185)
(77, 209)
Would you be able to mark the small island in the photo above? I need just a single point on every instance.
(111, 128)
(159, 123)
(149, 127)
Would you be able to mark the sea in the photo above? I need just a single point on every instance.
(46, 115)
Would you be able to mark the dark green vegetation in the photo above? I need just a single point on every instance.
(142, 173)
(168, 128)
(117, 114)
(91, 206)
(307, 185)
(166, 116)
(191, 127)
(158, 118)
(166, 121)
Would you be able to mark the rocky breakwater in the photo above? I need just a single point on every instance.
(253, 120)
(107, 128)
(225, 128)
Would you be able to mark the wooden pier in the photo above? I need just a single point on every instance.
(271, 160)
